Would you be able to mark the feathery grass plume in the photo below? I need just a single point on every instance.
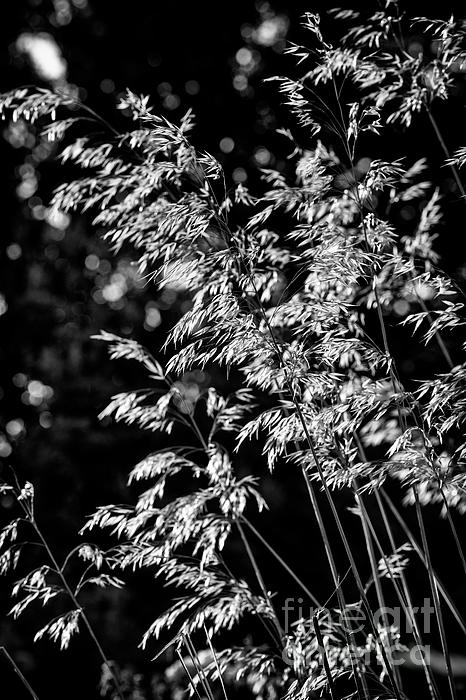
(284, 300)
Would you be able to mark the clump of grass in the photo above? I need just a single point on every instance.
(296, 300)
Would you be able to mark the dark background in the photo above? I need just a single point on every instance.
(61, 285)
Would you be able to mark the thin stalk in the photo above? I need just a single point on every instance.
(18, 672)
(454, 531)
(281, 561)
(438, 337)
(408, 610)
(74, 600)
(421, 556)
(446, 151)
(212, 651)
(375, 573)
(436, 600)
(407, 603)
(359, 676)
(326, 665)
(364, 516)
(198, 666)
(404, 583)
(186, 670)
(260, 580)
(347, 548)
